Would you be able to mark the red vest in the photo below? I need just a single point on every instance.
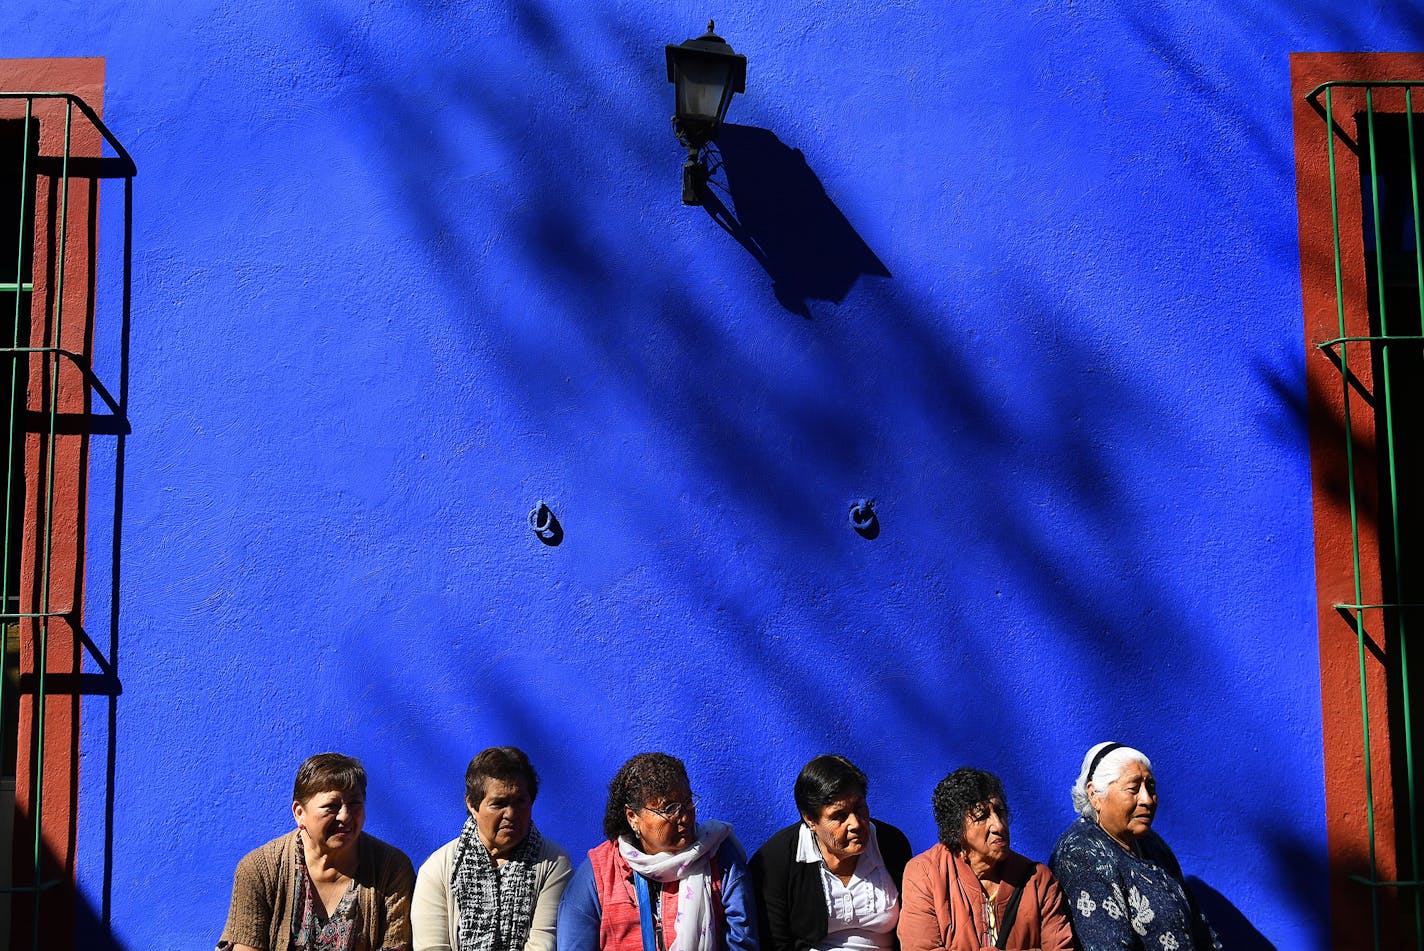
(620, 926)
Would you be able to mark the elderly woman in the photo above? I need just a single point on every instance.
(663, 881)
(1123, 885)
(831, 880)
(497, 886)
(971, 890)
(324, 885)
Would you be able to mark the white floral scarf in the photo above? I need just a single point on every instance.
(693, 868)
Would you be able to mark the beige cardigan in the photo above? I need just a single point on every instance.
(261, 911)
(435, 921)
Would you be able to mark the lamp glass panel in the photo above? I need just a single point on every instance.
(702, 85)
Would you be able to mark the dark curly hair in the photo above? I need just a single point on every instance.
(508, 764)
(644, 778)
(956, 795)
(824, 780)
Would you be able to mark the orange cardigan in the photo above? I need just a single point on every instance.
(942, 905)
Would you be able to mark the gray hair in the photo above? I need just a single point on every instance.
(1106, 771)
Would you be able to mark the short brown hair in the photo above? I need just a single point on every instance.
(326, 772)
(508, 764)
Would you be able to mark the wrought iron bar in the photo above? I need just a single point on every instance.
(1405, 701)
(1354, 506)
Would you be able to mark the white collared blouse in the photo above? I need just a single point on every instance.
(860, 915)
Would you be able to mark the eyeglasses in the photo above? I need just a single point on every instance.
(672, 811)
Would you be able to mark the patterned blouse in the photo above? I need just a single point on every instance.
(1125, 900)
(312, 928)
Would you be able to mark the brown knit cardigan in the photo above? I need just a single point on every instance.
(261, 912)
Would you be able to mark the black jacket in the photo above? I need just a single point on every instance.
(791, 905)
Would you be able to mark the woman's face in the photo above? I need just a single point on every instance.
(666, 823)
(842, 829)
(986, 835)
(503, 816)
(1126, 807)
(332, 820)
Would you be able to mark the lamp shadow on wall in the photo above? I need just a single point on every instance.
(764, 194)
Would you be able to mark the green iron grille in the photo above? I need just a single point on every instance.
(1388, 152)
(25, 116)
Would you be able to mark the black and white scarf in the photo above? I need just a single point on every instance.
(496, 902)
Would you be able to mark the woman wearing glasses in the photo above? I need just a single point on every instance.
(832, 880)
(663, 881)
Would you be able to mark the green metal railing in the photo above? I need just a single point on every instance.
(66, 109)
(1380, 348)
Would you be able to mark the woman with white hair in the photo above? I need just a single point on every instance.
(1124, 887)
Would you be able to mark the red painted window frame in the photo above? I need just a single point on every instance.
(83, 77)
(1347, 826)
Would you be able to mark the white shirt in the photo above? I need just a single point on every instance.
(861, 915)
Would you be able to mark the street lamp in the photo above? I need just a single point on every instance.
(704, 73)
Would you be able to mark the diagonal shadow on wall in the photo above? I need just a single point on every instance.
(769, 199)
(1227, 919)
(766, 196)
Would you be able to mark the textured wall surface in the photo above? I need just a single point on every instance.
(1024, 274)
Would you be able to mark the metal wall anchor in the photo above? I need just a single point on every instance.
(863, 518)
(545, 525)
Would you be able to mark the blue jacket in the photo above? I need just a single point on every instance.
(581, 912)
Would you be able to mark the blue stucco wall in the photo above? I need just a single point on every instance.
(1026, 275)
